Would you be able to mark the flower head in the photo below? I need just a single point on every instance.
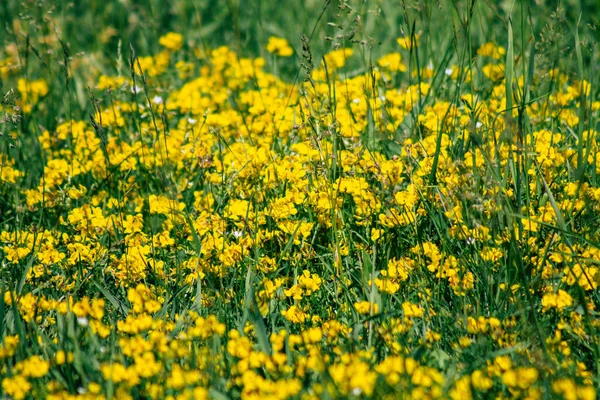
(279, 46)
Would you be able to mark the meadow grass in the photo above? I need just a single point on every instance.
(319, 199)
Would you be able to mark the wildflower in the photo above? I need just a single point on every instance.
(365, 307)
(110, 82)
(171, 41)
(392, 62)
(60, 357)
(17, 386)
(481, 381)
(491, 50)
(33, 367)
(408, 42)
(353, 376)
(559, 300)
(294, 315)
(337, 59)
(412, 310)
(376, 234)
(522, 377)
(494, 72)
(279, 46)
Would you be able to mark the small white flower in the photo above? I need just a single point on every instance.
(192, 121)
(470, 240)
(83, 321)
(135, 89)
(449, 71)
(81, 390)
(356, 101)
(478, 125)
(237, 234)
(157, 100)
(356, 391)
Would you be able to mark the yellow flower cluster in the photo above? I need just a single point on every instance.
(279, 47)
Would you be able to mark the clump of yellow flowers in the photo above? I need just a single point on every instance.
(279, 46)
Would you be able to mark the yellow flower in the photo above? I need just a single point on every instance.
(310, 283)
(494, 72)
(110, 82)
(353, 376)
(171, 41)
(16, 386)
(376, 233)
(412, 310)
(7, 349)
(392, 62)
(94, 388)
(337, 59)
(294, 315)
(559, 300)
(481, 381)
(522, 377)
(31, 91)
(407, 42)
(60, 357)
(509, 378)
(491, 50)
(364, 307)
(279, 46)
